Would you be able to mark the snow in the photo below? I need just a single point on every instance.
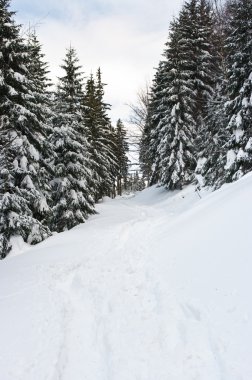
(27, 183)
(248, 146)
(155, 287)
(18, 246)
(239, 133)
(241, 155)
(23, 163)
(19, 77)
(239, 122)
(231, 158)
(12, 91)
(43, 206)
(34, 153)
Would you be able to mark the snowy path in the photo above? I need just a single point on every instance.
(140, 292)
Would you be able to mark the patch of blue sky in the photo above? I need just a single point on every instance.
(61, 10)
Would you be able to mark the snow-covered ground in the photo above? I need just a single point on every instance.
(155, 287)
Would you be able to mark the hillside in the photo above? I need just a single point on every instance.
(154, 287)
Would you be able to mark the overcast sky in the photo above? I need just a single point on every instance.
(124, 37)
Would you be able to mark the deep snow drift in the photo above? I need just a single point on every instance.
(156, 287)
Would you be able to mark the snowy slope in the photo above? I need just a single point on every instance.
(156, 287)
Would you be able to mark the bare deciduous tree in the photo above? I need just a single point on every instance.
(139, 109)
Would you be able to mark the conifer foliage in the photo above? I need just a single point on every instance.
(58, 152)
(181, 89)
(72, 185)
(122, 147)
(239, 90)
(199, 121)
(22, 135)
(101, 137)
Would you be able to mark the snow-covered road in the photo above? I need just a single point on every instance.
(156, 287)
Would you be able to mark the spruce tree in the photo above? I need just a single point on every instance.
(150, 159)
(239, 90)
(204, 54)
(101, 137)
(178, 103)
(176, 148)
(212, 149)
(21, 140)
(73, 184)
(38, 75)
(122, 148)
(213, 136)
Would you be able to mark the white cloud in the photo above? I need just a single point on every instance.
(124, 37)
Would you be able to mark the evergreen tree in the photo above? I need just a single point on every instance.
(239, 90)
(178, 104)
(38, 75)
(122, 148)
(204, 54)
(73, 183)
(21, 139)
(176, 148)
(101, 138)
(213, 135)
(212, 150)
(138, 182)
(70, 92)
(151, 138)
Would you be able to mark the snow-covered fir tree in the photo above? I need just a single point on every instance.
(122, 147)
(73, 185)
(239, 90)
(213, 136)
(178, 103)
(38, 75)
(22, 135)
(212, 149)
(176, 149)
(135, 182)
(200, 36)
(101, 137)
(157, 105)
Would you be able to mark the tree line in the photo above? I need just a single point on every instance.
(59, 153)
(198, 113)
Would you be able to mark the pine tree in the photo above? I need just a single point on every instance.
(122, 148)
(239, 90)
(212, 150)
(69, 91)
(213, 135)
(204, 64)
(151, 138)
(73, 183)
(38, 75)
(21, 139)
(176, 148)
(101, 138)
(178, 103)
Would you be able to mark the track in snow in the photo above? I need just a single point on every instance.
(102, 302)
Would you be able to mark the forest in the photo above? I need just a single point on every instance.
(60, 153)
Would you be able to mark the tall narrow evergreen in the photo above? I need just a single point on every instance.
(73, 183)
(149, 154)
(101, 138)
(122, 147)
(239, 90)
(178, 104)
(212, 149)
(21, 139)
(212, 139)
(178, 126)
(38, 75)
